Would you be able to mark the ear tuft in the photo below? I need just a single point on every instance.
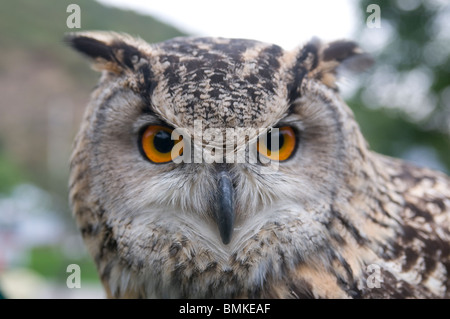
(340, 50)
(334, 57)
(89, 46)
(110, 51)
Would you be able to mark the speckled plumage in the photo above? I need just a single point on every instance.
(314, 228)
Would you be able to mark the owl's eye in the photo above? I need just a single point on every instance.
(279, 144)
(157, 144)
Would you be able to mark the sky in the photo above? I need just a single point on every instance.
(287, 23)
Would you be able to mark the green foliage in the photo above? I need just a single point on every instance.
(42, 23)
(50, 262)
(391, 134)
(417, 42)
(40, 26)
(10, 174)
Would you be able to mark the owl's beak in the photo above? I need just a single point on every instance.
(224, 214)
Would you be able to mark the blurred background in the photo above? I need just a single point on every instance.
(402, 103)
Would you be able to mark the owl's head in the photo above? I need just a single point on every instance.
(265, 141)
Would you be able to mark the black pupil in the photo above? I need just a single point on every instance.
(163, 142)
(269, 141)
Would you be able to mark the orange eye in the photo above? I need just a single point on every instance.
(158, 146)
(279, 144)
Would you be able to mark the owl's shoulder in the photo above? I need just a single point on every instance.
(416, 260)
(424, 190)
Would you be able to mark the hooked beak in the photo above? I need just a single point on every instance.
(224, 214)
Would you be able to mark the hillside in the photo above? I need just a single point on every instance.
(45, 86)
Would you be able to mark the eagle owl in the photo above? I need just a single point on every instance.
(308, 212)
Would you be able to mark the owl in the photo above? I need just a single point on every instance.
(231, 168)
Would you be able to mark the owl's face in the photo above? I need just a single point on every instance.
(159, 204)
